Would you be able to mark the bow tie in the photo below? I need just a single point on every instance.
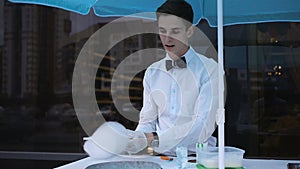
(181, 63)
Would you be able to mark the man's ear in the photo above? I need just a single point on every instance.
(190, 31)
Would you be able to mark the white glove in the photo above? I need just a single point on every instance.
(137, 142)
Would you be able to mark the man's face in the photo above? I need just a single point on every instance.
(174, 35)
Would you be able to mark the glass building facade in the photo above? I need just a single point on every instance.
(38, 51)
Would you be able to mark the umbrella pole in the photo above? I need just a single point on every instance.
(221, 110)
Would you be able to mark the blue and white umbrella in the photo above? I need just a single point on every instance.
(216, 12)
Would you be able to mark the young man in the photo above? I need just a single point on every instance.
(180, 91)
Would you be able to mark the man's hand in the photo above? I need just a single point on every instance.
(137, 142)
(150, 138)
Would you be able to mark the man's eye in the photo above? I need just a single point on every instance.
(162, 31)
(176, 32)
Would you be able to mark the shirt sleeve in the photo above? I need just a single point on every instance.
(148, 113)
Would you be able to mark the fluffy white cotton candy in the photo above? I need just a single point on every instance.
(109, 139)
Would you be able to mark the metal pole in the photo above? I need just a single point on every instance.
(221, 110)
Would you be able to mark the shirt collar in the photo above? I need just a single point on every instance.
(188, 55)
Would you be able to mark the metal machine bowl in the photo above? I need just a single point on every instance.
(125, 165)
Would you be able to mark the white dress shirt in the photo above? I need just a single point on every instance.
(180, 104)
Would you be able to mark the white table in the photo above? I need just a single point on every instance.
(247, 163)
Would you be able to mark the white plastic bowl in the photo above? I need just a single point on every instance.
(208, 157)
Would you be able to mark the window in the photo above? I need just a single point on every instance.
(262, 73)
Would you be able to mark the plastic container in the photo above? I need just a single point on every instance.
(208, 157)
(182, 157)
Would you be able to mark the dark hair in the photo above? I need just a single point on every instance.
(179, 8)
